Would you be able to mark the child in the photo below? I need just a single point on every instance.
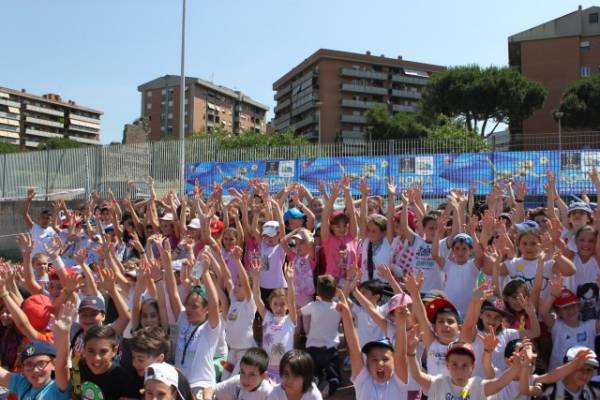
(567, 330)
(252, 382)
(148, 346)
(367, 329)
(39, 359)
(459, 383)
(100, 376)
(296, 371)
(161, 381)
(278, 326)
(514, 294)
(323, 338)
(382, 374)
(303, 260)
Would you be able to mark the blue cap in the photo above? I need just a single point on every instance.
(463, 238)
(37, 348)
(579, 206)
(527, 225)
(383, 342)
(293, 213)
(93, 302)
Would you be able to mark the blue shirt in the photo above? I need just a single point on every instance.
(19, 385)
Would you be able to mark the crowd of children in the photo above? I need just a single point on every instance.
(263, 295)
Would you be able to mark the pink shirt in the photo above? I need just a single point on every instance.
(334, 265)
(230, 261)
(272, 259)
(304, 285)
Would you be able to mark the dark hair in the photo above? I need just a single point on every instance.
(510, 289)
(151, 301)
(256, 357)
(326, 287)
(46, 213)
(374, 286)
(151, 340)
(446, 310)
(101, 332)
(511, 347)
(538, 212)
(300, 364)
(339, 218)
(585, 229)
(533, 232)
(429, 218)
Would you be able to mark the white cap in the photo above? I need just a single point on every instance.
(591, 360)
(167, 217)
(270, 228)
(194, 223)
(162, 372)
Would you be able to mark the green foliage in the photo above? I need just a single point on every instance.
(479, 96)
(384, 125)
(581, 103)
(59, 143)
(250, 139)
(9, 148)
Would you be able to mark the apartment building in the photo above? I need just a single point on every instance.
(207, 106)
(27, 119)
(325, 97)
(556, 54)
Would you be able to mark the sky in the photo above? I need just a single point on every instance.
(98, 52)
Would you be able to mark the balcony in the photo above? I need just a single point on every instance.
(31, 143)
(354, 119)
(7, 139)
(10, 103)
(311, 135)
(84, 129)
(360, 104)
(45, 122)
(406, 93)
(282, 105)
(85, 140)
(10, 115)
(304, 107)
(282, 92)
(8, 121)
(411, 80)
(85, 119)
(282, 123)
(354, 135)
(310, 119)
(358, 73)
(44, 110)
(36, 132)
(8, 134)
(403, 108)
(350, 87)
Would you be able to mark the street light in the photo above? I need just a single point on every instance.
(182, 107)
(558, 115)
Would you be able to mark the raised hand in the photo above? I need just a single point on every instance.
(489, 340)
(25, 243)
(385, 272)
(391, 188)
(413, 283)
(65, 317)
(237, 252)
(556, 285)
(413, 337)
(526, 304)
(30, 194)
(364, 187)
(255, 267)
(80, 256)
(289, 273)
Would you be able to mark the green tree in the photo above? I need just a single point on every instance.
(383, 125)
(581, 103)
(480, 96)
(59, 143)
(9, 148)
(250, 139)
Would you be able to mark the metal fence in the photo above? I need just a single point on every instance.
(74, 173)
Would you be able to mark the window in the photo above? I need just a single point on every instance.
(149, 106)
(149, 93)
(593, 18)
(584, 46)
(585, 71)
(163, 92)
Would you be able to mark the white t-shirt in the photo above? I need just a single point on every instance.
(436, 358)
(231, 389)
(564, 337)
(520, 268)
(512, 392)
(584, 284)
(442, 389)
(201, 343)
(382, 255)
(279, 394)
(367, 389)
(278, 337)
(41, 236)
(422, 261)
(460, 282)
(505, 336)
(366, 328)
(222, 349)
(271, 273)
(238, 323)
(324, 322)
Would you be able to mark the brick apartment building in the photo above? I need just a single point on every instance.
(207, 106)
(28, 120)
(324, 97)
(556, 53)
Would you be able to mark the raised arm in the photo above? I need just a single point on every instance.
(25, 244)
(493, 386)
(213, 299)
(123, 313)
(556, 286)
(371, 310)
(413, 284)
(391, 209)
(260, 305)
(364, 200)
(435, 243)
(28, 200)
(407, 232)
(350, 210)
(356, 358)
(289, 277)
(423, 379)
(62, 324)
(328, 209)
(401, 314)
(164, 249)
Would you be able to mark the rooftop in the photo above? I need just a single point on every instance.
(67, 104)
(174, 80)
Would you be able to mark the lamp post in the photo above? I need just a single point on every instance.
(318, 104)
(182, 107)
(559, 115)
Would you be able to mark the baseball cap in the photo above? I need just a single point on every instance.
(579, 206)
(495, 304)
(567, 297)
(438, 304)
(194, 223)
(412, 218)
(38, 309)
(37, 348)
(463, 238)
(397, 300)
(381, 343)
(526, 225)
(165, 373)
(93, 302)
(591, 360)
(460, 348)
(216, 226)
(270, 228)
(293, 213)
(167, 217)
